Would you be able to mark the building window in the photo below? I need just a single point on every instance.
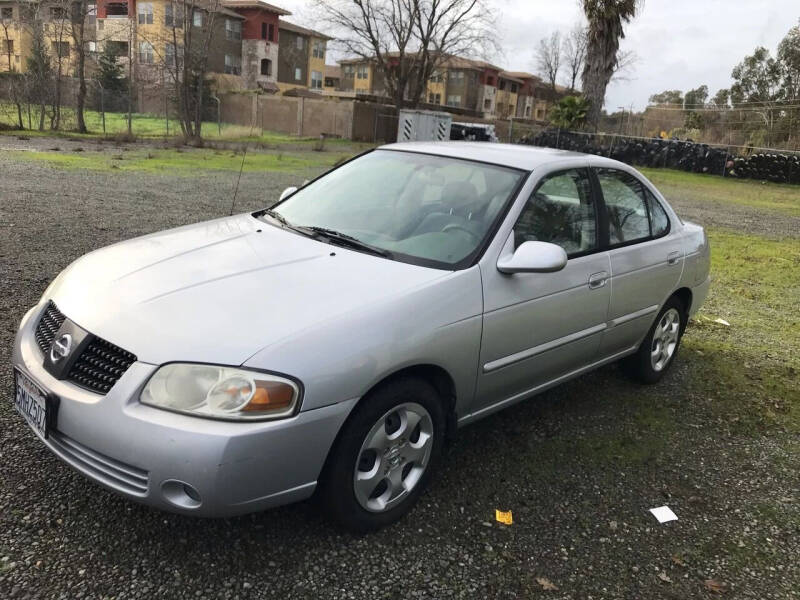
(318, 49)
(61, 49)
(266, 67)
(300, 42)
(271, 35)
(145, 12)
(527, 111)
(113, 11)
(434, 98)
(92, 46)
(487, 104)
(316, 80)
(514, 88)
(263, 31)
(233, 29)
(197, 18)
(436, 77)
(173, 15)
(57, 13)
(456, 75)
(490, 80)
(233, 64)
(169, 54)
(117, 48)
(361, 72)
(298, 74)
(454, 100)
(347, 71)
(7, 13)
(145, 53)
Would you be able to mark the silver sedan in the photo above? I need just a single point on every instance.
(335, 342)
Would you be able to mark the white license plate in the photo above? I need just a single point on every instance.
(31, 402)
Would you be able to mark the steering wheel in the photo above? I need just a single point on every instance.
(456, 226)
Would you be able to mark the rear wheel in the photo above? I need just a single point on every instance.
(659, 347)
(385, 455)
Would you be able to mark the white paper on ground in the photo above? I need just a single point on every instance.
(663, 514)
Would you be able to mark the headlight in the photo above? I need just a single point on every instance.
(221, 392)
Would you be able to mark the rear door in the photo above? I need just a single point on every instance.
(646, 257)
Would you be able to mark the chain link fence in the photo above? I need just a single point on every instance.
(141, 111)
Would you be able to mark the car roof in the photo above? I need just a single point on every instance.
(517, 156)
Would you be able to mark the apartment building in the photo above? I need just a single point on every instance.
(18, 20)
(147, 36)
(301, 57)
(260, 32)
(470, 85)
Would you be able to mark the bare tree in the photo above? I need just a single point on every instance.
(408, 40)
(548, 58)
(80, 43)
(180, 57)
(623, 69)
(15, 79)
(574, 53)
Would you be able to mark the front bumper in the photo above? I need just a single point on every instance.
(147, 454)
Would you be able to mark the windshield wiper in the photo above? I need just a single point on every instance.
(277, 216)
(348, 240)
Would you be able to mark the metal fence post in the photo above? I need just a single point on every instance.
(102, 105)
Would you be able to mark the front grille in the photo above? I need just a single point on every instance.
(100, 365)
(112, 472)
(48, 326)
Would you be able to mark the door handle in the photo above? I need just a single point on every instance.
(673, 258)
(598, 280)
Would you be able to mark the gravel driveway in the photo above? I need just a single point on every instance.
(579, 467)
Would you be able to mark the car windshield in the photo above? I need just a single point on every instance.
(429, 210)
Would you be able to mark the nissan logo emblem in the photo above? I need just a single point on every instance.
(61, 348)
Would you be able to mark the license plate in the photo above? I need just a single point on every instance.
(33, 403)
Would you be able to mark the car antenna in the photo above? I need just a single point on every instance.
(241, 167)
(238, 179)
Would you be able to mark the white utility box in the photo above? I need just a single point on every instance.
(423, 126)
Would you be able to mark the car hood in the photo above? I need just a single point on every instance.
(222, 290)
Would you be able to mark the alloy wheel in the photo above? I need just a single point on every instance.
(665, 339)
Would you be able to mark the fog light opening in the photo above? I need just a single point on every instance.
(181, 494)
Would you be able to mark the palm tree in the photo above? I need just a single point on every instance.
(570, 112)
(606, 20)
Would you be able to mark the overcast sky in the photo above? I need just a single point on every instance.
(680, 44)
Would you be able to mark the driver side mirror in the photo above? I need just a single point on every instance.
(287, 192)
(534, 257)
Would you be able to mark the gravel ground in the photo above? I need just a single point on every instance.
(579, 467)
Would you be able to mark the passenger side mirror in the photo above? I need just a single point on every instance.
(534, 257)
(287, 192)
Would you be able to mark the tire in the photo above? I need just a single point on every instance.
(384, 456)
(659, 347)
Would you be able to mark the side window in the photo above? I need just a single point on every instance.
(628, 219)
(659, 221)
(560, 211)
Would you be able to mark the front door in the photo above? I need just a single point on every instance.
(539, 327)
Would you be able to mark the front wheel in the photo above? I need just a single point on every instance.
(385, 455)
(661, 344)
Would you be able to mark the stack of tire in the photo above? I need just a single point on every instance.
(675, 154)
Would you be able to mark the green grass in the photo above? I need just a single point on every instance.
(751, 369)
(187, 162)
(778, 197)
